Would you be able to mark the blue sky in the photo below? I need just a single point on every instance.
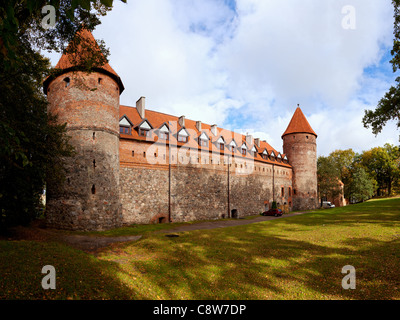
(245, 65)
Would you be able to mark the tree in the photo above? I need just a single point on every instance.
(362, 185)
(328, 178)
(389, 106)
(343, 160)
(382, 163)
(33, 145)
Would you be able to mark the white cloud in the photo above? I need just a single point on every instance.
(249, 67)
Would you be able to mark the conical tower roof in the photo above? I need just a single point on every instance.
(299, 124)
(75, 61)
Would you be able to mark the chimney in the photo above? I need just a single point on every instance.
(181, 121)
(140, 106)
(257, 142)
(249, 139)
(198, 125)
(214, 129)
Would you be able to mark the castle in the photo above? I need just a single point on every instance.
(138, 166)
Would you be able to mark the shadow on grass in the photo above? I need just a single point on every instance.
(78, 275)
(275, 268)
(264, 260)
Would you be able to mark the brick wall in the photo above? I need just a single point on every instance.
(89, 197)
(301, 150)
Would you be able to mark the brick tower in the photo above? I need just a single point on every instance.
(300, 146)
(89, 104)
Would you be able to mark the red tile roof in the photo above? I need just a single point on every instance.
(72, 61)
(299, 124)
(157, 119)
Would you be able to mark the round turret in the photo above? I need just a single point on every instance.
(88, 199)
(300, 147)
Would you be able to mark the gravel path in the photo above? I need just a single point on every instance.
(225, 223)
(93, 243)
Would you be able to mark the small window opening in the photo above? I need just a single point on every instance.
(94, 135)
(93, 189)
(99, 80)
(162, 220)
(67, 81)
(133, 153)
(94, 164)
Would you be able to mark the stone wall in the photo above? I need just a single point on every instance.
(195, 186)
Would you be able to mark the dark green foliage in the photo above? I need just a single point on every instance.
(32, 143)
(389, 106)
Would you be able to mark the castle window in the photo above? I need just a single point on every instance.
(67, 81)
(124, 130)
(203, 140)
(283, 191)
(244, 149)
(254, 151)
(124, 126)
(232, 146)
(144, 129)
(183, 135)
(133, 153)
(163, 135)
(182, 138)
(290, 191)
(99, 80)
(163, 132)
(93, 189)
(144, 132)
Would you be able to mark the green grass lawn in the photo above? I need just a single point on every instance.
(299, 257)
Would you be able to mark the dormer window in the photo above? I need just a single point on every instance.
(203, 140)
(254, 151)
(124, 130)
(265, 154)
(232, 146)
(221, 144)
(272, 156)
(144, 129)
(285, 159)
(183, 135)
(124, 126)
(244, 149)
(279, 157)
(163, 133)
(144, 132)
